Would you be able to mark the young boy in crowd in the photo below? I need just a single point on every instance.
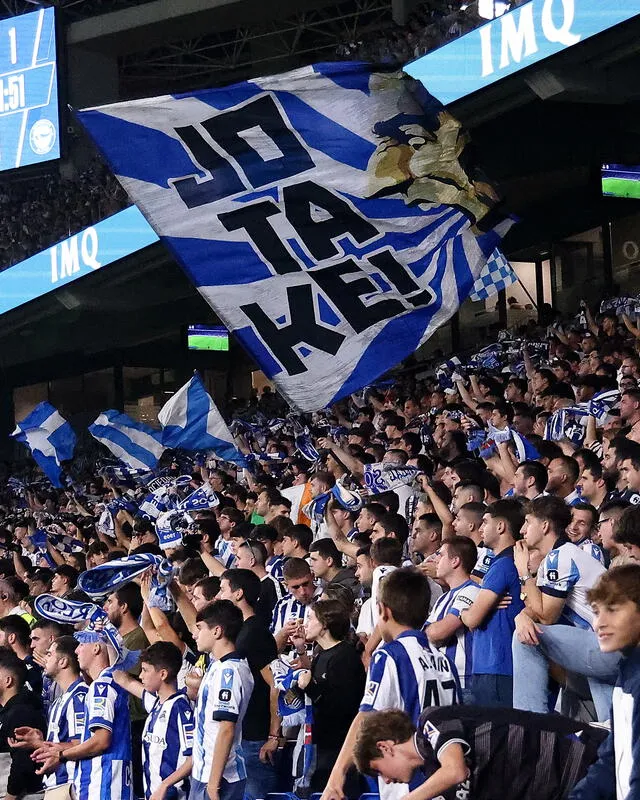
(167, 739)
(219, 771)
(406, 672)
(615, 601)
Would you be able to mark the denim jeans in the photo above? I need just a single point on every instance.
(261, 778)
(574, 649)
(227, 791)
(493, 691)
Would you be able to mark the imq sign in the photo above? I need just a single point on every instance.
(524, 36)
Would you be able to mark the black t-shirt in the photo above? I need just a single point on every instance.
(15, 713)
(266, 601)
(33, 685)
(336, 689)
(255, 642)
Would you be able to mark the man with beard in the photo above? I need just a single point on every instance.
(630, 414)
(616, 483)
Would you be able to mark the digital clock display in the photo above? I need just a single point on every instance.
(29, 114)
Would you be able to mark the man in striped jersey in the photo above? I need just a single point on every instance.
(167, 739)
(444, 626)
(219, 771)
(290, 612)
(103, 756)
(406, 672)
(66, 716)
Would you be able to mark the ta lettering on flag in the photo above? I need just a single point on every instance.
(322, 213)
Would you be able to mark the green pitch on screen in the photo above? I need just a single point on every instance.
(197, 342)
(621, 187)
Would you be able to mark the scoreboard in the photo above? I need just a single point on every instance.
(29, 113)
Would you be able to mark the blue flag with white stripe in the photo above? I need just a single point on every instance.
(191, 421)
(135, 443)
(322, 213)
(496, 275)
(49, 437)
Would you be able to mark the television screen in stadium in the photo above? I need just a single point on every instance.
(619, 180)
(207, 337)
(29, 116)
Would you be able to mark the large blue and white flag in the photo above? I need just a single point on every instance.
(191, 421)
(135, 443)
(49, 437)
(322, 213)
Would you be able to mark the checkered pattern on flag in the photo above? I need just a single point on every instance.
(496, 275)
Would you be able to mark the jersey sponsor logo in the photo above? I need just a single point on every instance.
(552, 558)
(101, 689)
(227, 678)
(431, 732)
(468, 601)
(371, 691)
(152, 738)
(224, 695)
(552, 575)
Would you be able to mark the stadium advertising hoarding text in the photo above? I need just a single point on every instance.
(108, 241)
(519, 39)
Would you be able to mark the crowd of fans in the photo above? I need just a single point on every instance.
(428, 27)
(418, 551)
(38, 213)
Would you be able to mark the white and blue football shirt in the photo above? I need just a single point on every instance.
(223, 696)
(590, 547)
(223, 552)
(485, 557)
(459, 648)
(410, 674)
(66, 722)
(568, 572)
(286, 609)
(167, 741)
(275, 567)
(107, 776)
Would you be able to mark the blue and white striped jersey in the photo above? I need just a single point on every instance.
(280, 592)
(485, 557)
(409, 674)
(275, 567)
(107, 776)
(223, 552)
(167, 741)
(568, 572)
(66, 722)
(459, 648)
(223, 696)
(286, 609)
(590, 547)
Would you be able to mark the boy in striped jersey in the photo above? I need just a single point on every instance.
(219, 771)
(290, 612)
(445, 630)
(103, 756)
(167, 738)
(406, 672)
(66, 716)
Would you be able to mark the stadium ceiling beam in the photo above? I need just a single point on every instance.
(160, 21)
(220, 57)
